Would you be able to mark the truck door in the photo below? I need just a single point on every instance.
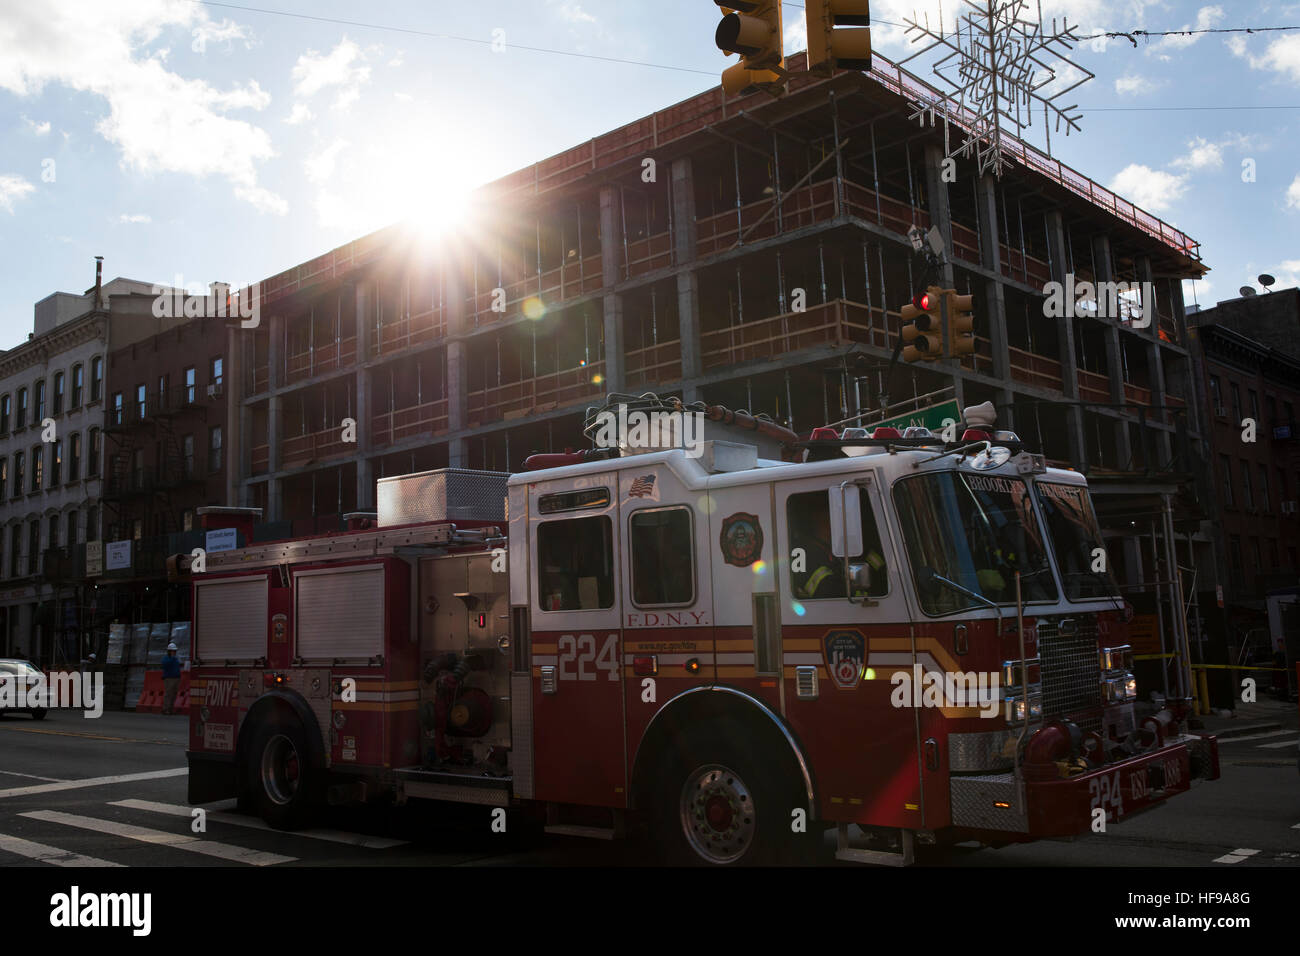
(578, 733)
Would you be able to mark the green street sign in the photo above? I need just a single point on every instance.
(935, 418)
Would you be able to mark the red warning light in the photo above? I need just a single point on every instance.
(922, 301)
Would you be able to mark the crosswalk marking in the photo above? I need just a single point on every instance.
(48, 854)
(1236, 856)
(1282, 743)
(221, 816)
(1236, 740)
(91, 782)
(32, 776)
(181, 841)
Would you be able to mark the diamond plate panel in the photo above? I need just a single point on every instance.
(521, 734)
(446, 493)
(980, 752)
(974, 802)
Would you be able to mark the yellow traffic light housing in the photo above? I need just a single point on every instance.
(961, 323)
(839, 35)
(752, 29)
(923, 327)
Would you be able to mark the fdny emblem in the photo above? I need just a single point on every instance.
(741, 539)
(845, 653)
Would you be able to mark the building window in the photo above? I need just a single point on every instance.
(187, 519)
(1247, 492)
(1265, 500)
(1235, 391)
(38, 467)
(137, 468)
(92, 523)
(1226, 464)
(141, 397)
(56, 464)
(19, 463)
(216, 371)
(33, 546)
(4, 475)
(1271, 403)
(74, 456)
(1290, 411)
(187, 453)
(72, 529)
(15, 551)
(58, 393)
(38, 415)
(1253, 397)
(96, 377)
(214, 448)
(1273, 555)
(22, 409)
(54, 532)
(92, 455)
(137, 529)
(4, 414)
(115, 413)
(190, 382)
(1216, 394)
(78, 374)
(1282, 489)
(162, 391)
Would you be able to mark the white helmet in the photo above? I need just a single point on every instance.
(172, 646)
(91, 656)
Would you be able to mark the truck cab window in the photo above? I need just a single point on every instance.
(575, 564)
(820, 574)
(663, 556)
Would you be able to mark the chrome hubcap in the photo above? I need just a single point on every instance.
(717, 811)
(280, 770)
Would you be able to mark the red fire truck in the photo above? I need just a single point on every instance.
(741, 643)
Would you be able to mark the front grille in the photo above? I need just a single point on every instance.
(1071, 673)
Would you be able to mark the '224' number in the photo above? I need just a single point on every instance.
(583, 650)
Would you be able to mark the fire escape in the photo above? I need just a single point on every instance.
(159, 423)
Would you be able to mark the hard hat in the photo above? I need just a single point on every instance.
(172, 646)
(90, 656)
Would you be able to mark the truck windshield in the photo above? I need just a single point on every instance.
(976, 531)
(1075, 535)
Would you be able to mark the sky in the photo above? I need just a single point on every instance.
(190, 142)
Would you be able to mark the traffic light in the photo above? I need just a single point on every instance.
(751, 28)
(838, 35)
(922, 327)
(961, 323)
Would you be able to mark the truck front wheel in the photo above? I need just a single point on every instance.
(282, 783)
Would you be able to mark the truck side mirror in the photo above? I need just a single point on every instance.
(846, 519)
(863, 577)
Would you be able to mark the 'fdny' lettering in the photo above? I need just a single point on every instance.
(668, 619)
(219, 693)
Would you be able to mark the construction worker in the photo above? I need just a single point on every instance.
(171, 669)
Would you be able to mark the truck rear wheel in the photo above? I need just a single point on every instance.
(283, 786)
(718, 805)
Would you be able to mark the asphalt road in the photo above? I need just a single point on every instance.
(111, 792)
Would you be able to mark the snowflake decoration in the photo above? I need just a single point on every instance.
(998, 66)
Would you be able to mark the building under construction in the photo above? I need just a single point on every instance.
(767, 241)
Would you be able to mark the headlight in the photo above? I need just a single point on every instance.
(1116, 658)
(1130, 687)
(1015, 706)
(1014, 673)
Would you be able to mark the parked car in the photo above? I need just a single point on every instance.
(24, 671)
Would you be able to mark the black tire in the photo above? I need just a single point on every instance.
(39, 713)
(282, 786)
(717, 803)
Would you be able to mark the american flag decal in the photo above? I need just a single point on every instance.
(643, 487)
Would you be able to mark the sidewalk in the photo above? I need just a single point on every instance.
(1267, 713)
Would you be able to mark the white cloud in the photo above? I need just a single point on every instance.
(299, 114)
(403, 97)
(11, 188)
(1152, 189)
(263, 199)
(1201, 154)
(225, 30)
(1133, 84)
(796, 35)
(343, 67)
(1281, 56)
(1293, 193)
(158, 119)
(571, 11)
(1198, 291)
(40, 129)
(134, 217)
(1206, 18)
(1236, 45)
(320, 167)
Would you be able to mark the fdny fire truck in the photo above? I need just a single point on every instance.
(740, 642)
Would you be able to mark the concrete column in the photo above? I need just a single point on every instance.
(365, 306)
(611, 236)
(457, 381)
(688, 314)
(1065, 337)
(688, 289)
(1114, 358)
(365, 484)
(365, 442)
(275, 499)
(274, 361)
(274, 431)
(683, 192)
(614, 376)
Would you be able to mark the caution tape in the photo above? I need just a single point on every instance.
(1222, 667)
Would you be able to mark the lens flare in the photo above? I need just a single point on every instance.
(533, 308)
(798, 609)
(759, 567)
